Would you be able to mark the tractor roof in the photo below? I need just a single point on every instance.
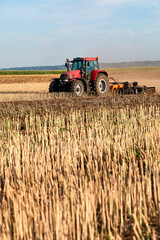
(85, 59)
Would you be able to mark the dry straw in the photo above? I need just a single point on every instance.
(86, 175)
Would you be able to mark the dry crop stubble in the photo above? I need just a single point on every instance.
(81, 173)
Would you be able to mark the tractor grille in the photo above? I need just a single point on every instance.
(64, 77)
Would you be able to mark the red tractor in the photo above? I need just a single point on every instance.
(83, 75)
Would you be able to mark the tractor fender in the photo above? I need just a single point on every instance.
(95, 73)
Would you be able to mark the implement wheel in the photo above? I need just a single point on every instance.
(101, 85)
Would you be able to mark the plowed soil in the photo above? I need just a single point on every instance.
(66, 105)
(5, 79)
(18, 84)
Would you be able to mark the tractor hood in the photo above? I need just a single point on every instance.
(71, 75)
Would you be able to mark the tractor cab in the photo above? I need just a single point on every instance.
(84, 65)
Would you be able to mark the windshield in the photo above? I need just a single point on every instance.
(78, 65)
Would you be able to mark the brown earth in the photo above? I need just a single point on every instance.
(25, 87)
(65, 106)
(14, 85)
(5, 79)
(26, 83)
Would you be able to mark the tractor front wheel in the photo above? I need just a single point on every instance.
(101, 85)
(77, 88)
(54, 86)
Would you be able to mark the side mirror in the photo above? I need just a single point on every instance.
(88, 64)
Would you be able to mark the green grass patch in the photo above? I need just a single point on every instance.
(27, 72)
(39, 72)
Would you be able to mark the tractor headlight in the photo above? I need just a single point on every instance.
(64, 80)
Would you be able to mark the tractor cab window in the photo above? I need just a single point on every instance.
(90, 66)
(96, 65)
(78, 65)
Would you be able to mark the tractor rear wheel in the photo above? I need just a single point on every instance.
(54, 86)
(77, 88)
(101, 85)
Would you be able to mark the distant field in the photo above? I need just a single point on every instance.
(13, 72)
(132, 69)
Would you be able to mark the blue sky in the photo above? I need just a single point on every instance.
(45, 32)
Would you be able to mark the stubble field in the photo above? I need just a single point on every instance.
(80, 168)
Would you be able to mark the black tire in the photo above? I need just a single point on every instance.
(54, 86)
(77, 88)
(101, 85)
